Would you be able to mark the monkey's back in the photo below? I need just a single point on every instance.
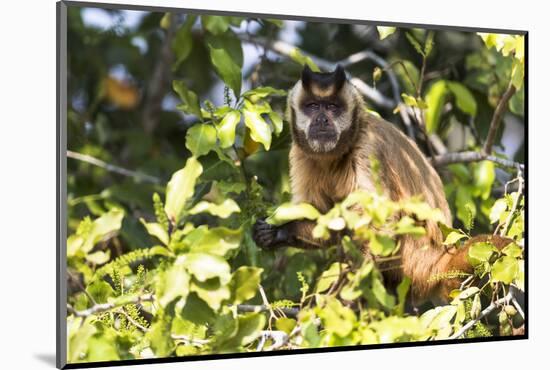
(404, 170)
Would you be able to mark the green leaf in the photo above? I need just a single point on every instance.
(198, 311)
(480, 252)
(79, 333)
(277, 22)
(102, 348)
(435, 99)
(513, 250)
(223, 210)
(384, 32)
(212, 292)
(297, 56)
(285, 324)
(497, 210)
(249, 328)
(200, 139)
(183, 41)
(101, 228)
(328, 277)
(218, 241)
(259, 129)
(226, 128)
(484, 176)
(414, 43)
(289, 211)
(381, 245)
(428, 45)
(224, 58)
(465, 294)
(215, 24)
(99, 257)
(244, 283)
(181, 188)
(100, 291)
(171, 284)
(165, 21)
(464, 99)
(406, 225)
(156, 230)
(407, 69)
(190, 101)
(159, 336)
(411, 101)
(337, 318)
(277, 122)
(517, 74)
(262, 92)
(402, 291)
(206, 266)
(382, 296)
(505, 269)
(466, 208)
(517, 103)
(454, 237)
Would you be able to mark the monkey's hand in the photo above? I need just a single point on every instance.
(269, 236)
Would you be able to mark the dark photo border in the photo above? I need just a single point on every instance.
(61, 189)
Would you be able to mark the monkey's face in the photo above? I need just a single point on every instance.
(321, 112)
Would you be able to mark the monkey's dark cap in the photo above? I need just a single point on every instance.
(323, 80)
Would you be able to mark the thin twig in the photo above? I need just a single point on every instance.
(293, 312)
(515, 203)
(280, 338)
(138, 176)
(483, 313)
(103, 307)
(497, 118)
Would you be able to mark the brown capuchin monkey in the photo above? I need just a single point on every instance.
(333, 137)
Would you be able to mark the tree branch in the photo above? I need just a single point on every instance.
(483, 313)
(284, 49)
(497, 118)
(279, 338)
(103, 307)
(160, 81)
(138, 176)
(467, 157)
(263, 308)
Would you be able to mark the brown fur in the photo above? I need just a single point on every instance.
(324, 179)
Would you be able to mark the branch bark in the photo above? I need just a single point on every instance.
(263, 308)
(139, 176)
(483, 313)
(160, 81)
(103, 307)
(497, 118)
(468, 157)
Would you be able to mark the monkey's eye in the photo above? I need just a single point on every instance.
(332, 107)
(312, 106)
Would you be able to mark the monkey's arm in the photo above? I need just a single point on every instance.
(293, 234)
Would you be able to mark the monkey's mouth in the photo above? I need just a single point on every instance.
(322, 134)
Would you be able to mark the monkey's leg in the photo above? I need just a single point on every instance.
(293, 234)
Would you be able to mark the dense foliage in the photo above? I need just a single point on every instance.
(161, 261)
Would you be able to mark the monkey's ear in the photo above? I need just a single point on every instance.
(339, 77)
(307, 75)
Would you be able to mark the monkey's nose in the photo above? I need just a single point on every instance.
(321, 120)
